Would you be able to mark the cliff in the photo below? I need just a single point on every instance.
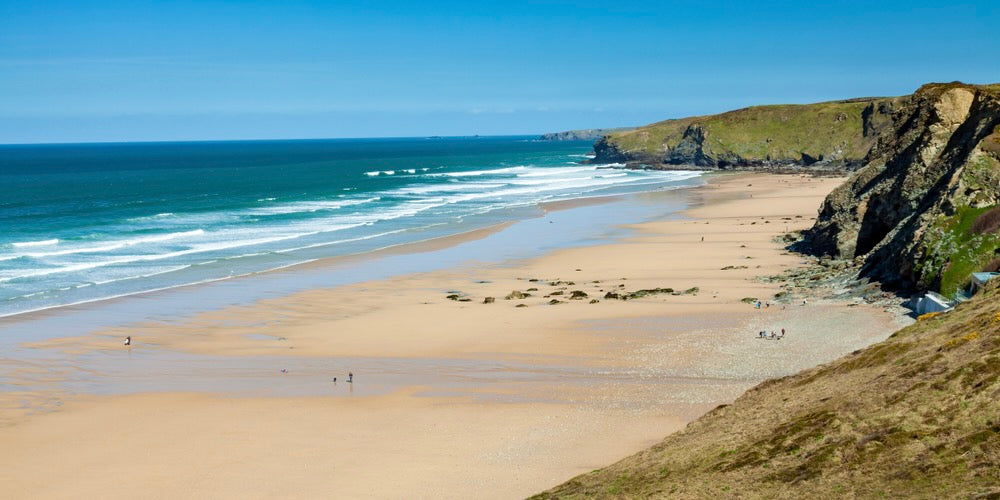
(916, 416)
(922, 212)
(838, 133)
(590, 134)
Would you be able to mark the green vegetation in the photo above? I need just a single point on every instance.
(916, 416)
(952, 251)
(981, 176)
(833, 130)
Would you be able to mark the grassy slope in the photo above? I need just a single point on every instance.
(916, 416)
(779, 131)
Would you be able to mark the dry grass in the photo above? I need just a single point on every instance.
(916, 416)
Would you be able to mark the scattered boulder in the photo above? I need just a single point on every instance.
(612, 295)
(578, 295)
(691, 291)
(557, 283)
(489, 300)
(647, 291)
(517, 294)
(521, 305)
(557, 292)
(554, 302)
(594, 301)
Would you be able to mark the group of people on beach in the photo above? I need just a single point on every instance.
(773, 336)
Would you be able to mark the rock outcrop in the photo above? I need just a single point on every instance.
(837, 134)
(590, 134)
(907, 214)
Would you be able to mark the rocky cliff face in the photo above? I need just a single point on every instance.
(831, 133)
(908, 215)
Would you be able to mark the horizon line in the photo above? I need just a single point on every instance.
(285, 139)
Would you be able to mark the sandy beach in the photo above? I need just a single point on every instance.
(487, 394)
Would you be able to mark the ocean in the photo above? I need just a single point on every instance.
(85, 222)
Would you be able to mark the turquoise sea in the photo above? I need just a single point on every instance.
(84, 222)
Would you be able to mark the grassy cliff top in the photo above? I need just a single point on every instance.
(993, 88)
(761, 131)
(916, 416)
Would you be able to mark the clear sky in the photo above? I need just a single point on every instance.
(78, 71)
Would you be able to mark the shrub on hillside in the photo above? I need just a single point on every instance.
(988, 222)
(993, 266)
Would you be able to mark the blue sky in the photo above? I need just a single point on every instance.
(193, 70)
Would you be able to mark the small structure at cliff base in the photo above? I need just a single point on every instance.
(932, 302)
(979, 280)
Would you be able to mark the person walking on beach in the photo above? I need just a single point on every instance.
(350, 378)
(128, 341)
(782, 332)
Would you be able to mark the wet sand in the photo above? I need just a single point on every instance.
(452, 398)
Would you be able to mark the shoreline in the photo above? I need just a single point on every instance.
(516, 398)
(330, 262)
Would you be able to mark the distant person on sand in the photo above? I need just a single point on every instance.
(334, 380)
(782, 332)
(350, 378)
(128, 340)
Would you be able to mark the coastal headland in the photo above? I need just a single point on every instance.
(490, 379)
